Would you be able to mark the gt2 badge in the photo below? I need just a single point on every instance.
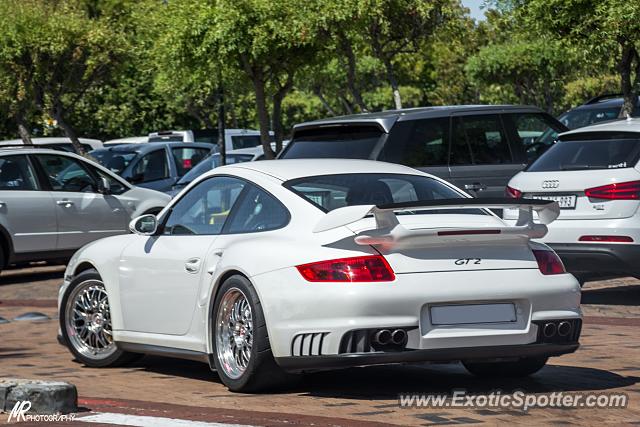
(466, 261)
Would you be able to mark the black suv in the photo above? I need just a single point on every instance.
(478, 148)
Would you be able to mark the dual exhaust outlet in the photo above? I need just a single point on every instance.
(553, 329)
(386, 337)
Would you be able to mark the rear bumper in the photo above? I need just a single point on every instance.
(599, 258)
(488, 353)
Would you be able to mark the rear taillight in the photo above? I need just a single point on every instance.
(373, 268)
(615, 239)
(549, 262)
(513, 193)
(618, 191)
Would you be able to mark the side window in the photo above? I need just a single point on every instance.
(257, 211)
(151, 167)
(479, 140)
(187, 158)
(67, 174)
(17, 174)
(535, 132)
(204, 209)
(418, 143)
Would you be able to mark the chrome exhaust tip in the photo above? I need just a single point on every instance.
(399, 337)
(564, 329)
(382, 337)
(549, 330)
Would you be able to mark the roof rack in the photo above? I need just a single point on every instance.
(602, 97)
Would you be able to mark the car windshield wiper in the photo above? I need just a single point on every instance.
(578, 167)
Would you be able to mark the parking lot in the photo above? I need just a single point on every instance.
(170, 388)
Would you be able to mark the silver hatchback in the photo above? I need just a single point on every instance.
(54, 202)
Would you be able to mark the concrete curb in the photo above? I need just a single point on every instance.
(46, 397)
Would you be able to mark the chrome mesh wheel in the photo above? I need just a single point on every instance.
(234, 333)
(88, 320)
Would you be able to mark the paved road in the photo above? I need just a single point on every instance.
(159, 391)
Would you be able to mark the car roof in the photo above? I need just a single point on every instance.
(623, 125)
(128, 140)
(287, 169)
(386, 119)
(150, 146)
(50, 140)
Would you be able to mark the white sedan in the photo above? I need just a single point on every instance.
(267, 269)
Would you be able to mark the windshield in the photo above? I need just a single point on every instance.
(352, 142)
(589, 154)
(115, 161)
(210, 162)
(329, 192)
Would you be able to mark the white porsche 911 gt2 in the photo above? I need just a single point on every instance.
(268, 269)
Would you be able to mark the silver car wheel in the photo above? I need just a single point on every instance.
(234, 333)
(88, 321)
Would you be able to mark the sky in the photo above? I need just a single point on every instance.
(474, 6)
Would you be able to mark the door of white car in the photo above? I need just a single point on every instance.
(83, 214)
(27, 212)
(160, 275)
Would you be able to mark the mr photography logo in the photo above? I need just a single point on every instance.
(20, 409)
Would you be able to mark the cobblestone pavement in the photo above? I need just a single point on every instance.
(169, 388)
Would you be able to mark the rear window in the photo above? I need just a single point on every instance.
(245, 141)
(343, 142)
(586, 154)
(588, 116)
(329, 192)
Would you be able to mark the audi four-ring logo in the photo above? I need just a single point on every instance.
(554, 183)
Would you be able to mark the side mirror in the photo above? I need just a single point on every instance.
(104, 186)
(145, 225)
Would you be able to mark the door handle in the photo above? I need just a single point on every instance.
(65, 203)
(192, 265)
(2, 204)
(476, 186)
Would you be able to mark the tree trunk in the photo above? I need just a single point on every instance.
(58, 114)
(222, 145)
(347, 49)
(391, 76)
(263, 114)
(323, 100)
(276, 116)
(629, 93)
(24, 133)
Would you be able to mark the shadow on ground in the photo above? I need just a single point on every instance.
(386, 382)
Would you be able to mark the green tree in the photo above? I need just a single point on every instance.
(58, 54)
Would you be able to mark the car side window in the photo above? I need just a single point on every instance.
(534, 132)
(186, 158)
(479, 140)
(17, 174)
(116, 187)
(151, 167)
(257, 211)
(204, 209)
(67, 174)
(418, 143)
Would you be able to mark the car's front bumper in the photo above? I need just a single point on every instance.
(440, 355)
(599, 258)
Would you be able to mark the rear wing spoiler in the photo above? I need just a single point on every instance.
(389, 231)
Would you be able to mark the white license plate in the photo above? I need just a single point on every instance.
(565, 202)
(472, 313)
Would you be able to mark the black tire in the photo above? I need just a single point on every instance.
(118, 357)
(514, 369)
(2, 259)
(262, 372)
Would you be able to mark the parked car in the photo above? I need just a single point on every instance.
(154, 165)
(213, 161)
(594, 174)
(599, 109)
(478, 148)
(53, 202)
(127, 140)
(234, 138)
(263, 269)
(60, 143)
